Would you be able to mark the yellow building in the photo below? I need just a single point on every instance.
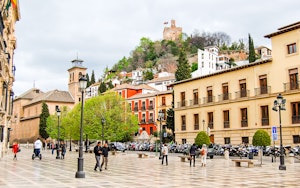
(231, 105)
(9, 15)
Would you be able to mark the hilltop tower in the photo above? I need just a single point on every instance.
(75, 72)
(172, 33)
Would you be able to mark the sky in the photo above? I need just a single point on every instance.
(50, 34)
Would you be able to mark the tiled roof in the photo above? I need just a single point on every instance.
(284, 29)
(30, 94)
(55, 96)
(160, 79)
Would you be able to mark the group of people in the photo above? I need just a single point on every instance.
(101, 151)
(193, 149)
(203, 154)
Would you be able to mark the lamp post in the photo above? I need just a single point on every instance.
(160, 116)
(279, 104)
(80, 173)
(203, 121)
(58, 132)
(102, 121)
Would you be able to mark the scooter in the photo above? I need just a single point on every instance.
(36, 153)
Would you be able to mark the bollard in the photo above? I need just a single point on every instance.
(291, 158)
(226, 154)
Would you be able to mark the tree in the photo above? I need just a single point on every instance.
(183, 70)
(93, 78)
(261, 138)
(88, 80)
(170, 119)
(43, 121)
(148, 75)
(194, 66)
(252, 57)
(202, 138)
(102, 87)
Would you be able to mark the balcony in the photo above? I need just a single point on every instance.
(224, 97)
(208, 99)
(295, 119)
(194, 102)
(181, 104)
(262, 90)
(244, 123)
(196, 127)
(242, 94)
(226, 124)
(291, 86)
(150, 107)
(150, 120)
(136, 109)
(142, 121)
(211, 125)
(183, 127)
(143, 108)
(265, 121)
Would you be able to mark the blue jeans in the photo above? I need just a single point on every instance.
(37, 152)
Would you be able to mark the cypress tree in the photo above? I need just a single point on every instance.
(252, 57)
(43, 121)
(88, 80)
(183, 70)
(93, 78)
(102, 87)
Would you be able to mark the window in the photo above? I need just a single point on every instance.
(296, 139)
(182, 95)
(243, 90)
(183, 123)
(151, 130)
(295, 112)
(244, 121)
(143, 118)
(245, 140)
(150, 105)
(163, 101)
(225, 91)
(227, 140)
(210, 120)
(209, 94)
(195, 94)
(293, 79)
(136, 106)
(143, 105)
(196, 121)
(263, 84)
(292, 48)
(183, 141)
(226, 119)
(264, 115)
(151, 118)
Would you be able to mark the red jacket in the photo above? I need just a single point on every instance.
(15, 148)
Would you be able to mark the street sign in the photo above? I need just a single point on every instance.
(274, 133)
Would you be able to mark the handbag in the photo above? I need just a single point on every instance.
(19, 149)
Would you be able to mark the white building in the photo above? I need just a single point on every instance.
(162, 81)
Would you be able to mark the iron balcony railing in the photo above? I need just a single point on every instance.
(244, 123)
(264, 121)
(226, 124)
(224, 97)
(208, 99)
(295, 119)
(291, 86)
(242, 94)
(262, 90)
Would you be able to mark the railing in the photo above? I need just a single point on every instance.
(181, 104)
(136, 109)
(143, 108)
(142, 121)
(196, 127)
(208, 99)
(265, 121)
(211, 125)
(262, 90)
(291, 86)
(295, 119)
(194, 102)
(244, 123)
(224, 97)
(226, 124)
(150, 107)
(241, 94)
(183, 127)
(150, 120)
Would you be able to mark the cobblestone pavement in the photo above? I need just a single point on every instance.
(127, 170)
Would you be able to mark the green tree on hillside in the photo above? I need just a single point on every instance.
(252, 57)
(183, 69)
(93, 78)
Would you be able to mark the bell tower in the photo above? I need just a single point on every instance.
(75, 72)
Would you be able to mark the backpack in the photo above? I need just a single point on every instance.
(202, 152)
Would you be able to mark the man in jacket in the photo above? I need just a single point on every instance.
(193, 154)
(98, 152)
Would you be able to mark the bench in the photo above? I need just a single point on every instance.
(182, 158)
(142, 155)
(239, 161)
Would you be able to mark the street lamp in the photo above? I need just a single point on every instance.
(160, 116)
(80, 173)
(102, 121)
(58, 134)
(203, 121)
(279, 104)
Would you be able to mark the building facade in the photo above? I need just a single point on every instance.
(9, 15)
(231, 105)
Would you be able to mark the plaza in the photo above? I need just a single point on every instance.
(127, 170)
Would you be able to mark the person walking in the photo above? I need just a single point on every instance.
(52, 147)
(164, 154)
(105, 151)
(37, 146)
(98, 151)
(203, 153)
(63, 150)
(193, 154)
(15, 149)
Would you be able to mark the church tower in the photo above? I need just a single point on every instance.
(75, 72)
